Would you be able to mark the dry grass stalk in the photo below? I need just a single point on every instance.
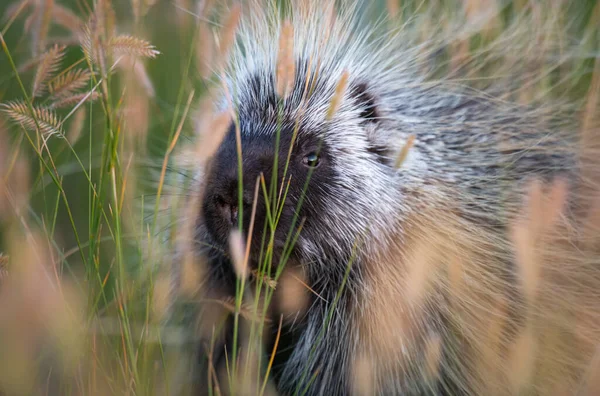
(527, 260)
(17, 186)
(292, 293)
(182, 17)
(136, 115)
(160, 297)
(476, 10)
(542, 214)
(15, 9)
(98, 40)
(522, 359)
(286, 67)
(129, 190)
(68, 83)
(556, 199)
(136, 104)
(36, 311)
(213, 134)
(76, 126)
(129, 45)
(136, 8)
(591, 225)
(147, 5)
(421, 263)
(204, 8)
(363, 381)
(237, 250)
(456, 274)
(228, 33)
(404, 151)
(206, 50)
(191, 276)
(67, 19)
(48, 66)
(105, 19)
(31, 19)
(460, 54)
(338, 96)
(75, 99)
(42, 25)
(433, 357)
(138, 72)
(89, 42)
(49, 123)
(493, 341)
(393, 8)
(188, 277)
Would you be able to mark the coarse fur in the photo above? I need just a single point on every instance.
(420, 263)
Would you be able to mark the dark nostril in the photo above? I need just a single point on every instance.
(227, 211)
(220, 201)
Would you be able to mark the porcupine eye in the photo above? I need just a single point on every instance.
(311, 160)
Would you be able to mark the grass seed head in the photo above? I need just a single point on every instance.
(47, 68)
(363, 381)
(286, 68)
(228, 33)
(521, 360)
(212, 134)
(338, 96)
(292, 293)
(205, 53)
(237, 250)
(130, 45)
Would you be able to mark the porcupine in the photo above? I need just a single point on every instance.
(417, 260)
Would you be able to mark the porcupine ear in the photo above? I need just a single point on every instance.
(370, 114)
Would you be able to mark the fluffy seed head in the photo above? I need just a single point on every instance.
(286, 66)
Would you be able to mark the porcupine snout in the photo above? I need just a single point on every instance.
(221, 208)
(225, 203)
(221, 203)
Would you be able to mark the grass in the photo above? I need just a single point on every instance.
(97, 99)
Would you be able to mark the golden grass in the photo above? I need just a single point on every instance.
(130, 45)
(286, 65)
(43, 118)
(338, 96)
(68, 83)
(49, 64)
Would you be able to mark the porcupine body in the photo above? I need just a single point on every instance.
(414, 260)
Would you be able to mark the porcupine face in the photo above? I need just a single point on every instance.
(309, 156)
(336, 181)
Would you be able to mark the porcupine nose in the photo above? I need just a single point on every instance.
(227, 208)
(222, 205)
